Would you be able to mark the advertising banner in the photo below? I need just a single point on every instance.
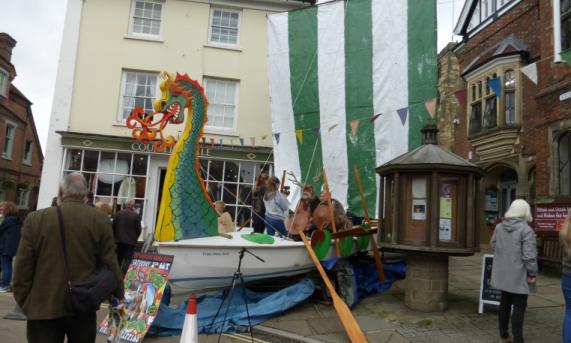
(550, 217)
(145, 283)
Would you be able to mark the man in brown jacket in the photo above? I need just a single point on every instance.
(40, 280)
(126, 228)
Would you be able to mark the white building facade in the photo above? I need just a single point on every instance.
(113, 52)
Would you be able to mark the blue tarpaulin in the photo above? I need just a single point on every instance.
(261, 305)
(265, 305)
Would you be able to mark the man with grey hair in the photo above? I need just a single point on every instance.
(127, 228)
(40, 278)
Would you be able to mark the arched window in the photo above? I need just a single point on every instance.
(509, 96)
(564, 157)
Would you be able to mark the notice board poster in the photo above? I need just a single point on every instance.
(145, 283)
(550, 217)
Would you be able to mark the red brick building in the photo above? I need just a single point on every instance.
(517, 129)
(21, 155)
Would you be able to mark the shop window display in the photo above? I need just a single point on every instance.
(112, 177)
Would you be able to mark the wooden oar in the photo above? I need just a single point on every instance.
(356, 231)
(378, 262)
(283, 181)
(349, 323)
(331, 212)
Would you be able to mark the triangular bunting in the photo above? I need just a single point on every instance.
(402, 114)
(299, 135)
(212, 141)
(332, 127)
(374, 117)
(221, 142)
(264, 137)
(461, 96)
(203, 140)
(430, 107)
(354, 126)
(496, 85)
(232, 141)
(317, 131)
(566, 55)
(277, 137)
(253, 141)
(530, 71)
(242, 141)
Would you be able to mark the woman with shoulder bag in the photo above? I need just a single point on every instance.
(515, 267)
(276, 205)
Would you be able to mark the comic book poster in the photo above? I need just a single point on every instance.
(145, 283)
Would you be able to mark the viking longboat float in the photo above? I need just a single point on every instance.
(187, 225)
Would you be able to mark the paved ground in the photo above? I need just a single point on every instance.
(384, 317)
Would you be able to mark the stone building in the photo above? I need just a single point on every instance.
(520, 133)
(21, 155)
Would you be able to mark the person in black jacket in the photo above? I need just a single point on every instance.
(126, 228)
(9, 241)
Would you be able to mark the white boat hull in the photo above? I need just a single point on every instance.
(210, 262)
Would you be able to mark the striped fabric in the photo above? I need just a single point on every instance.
(331, 68)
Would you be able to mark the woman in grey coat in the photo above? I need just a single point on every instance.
(515, 267)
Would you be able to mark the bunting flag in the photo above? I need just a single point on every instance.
(212, 141)
(264, 137)
(402, 114)
(317, 131)
(253, 141)
(277, 137)
(496, 85)
(461, 96)
(354, 126)
(232, 141)
(221, 142)
(430, 107)
(530, 71)
(241, 141)
(203, 140)
(299, 134)
(331, 63)
(566, 56)
(374, 117)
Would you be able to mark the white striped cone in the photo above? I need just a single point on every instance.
(190, 327)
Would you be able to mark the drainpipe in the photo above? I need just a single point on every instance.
(556, 31)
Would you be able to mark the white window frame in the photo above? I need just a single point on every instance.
(223, 129)
(27, 158)
(4, 81)
(210, 41)
(23, 198)
(148, 36)
(120, 119)
(7, 150)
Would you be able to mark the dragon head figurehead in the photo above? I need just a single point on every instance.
(176, 98)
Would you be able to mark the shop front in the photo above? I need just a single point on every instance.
(117, 168)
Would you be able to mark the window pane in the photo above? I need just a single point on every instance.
(490, 113)
(230, 194)
(73, 159)
(140, 186)
(139, 164)
(247, 172)
(90, 160)
(216, 169)
(231, 172)
(476, 118)
(104, 184)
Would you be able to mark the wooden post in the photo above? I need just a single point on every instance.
(470, 209)
(433, 213)
(331, 212)
(395, 205)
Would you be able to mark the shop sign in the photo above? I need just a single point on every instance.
(565, 96)
(136, 146)
(550, 217)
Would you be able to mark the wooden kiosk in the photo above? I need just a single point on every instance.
(430, 207)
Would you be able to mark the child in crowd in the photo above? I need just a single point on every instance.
(225, 222)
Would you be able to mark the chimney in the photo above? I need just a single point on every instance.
(429, 134)
(7, 43)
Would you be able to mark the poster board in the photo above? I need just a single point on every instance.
(549, 217)
(488, 294)
(145, 283)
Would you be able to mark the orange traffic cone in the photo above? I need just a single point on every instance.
(190, 327)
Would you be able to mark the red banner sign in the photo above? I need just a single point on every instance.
(550, 217)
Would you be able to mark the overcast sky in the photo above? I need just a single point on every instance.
(37, 25)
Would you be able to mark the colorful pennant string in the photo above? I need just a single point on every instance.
(374, 117)
(496, 85)
(241, 141)
(253, 141)
(430, 107)
(530, 71)
(299, 134)
(354, 126)
(277, 137)
(461, 97)
(566, 55)
(402, 114)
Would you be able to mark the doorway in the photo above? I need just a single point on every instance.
(507, 184)
(162, 175)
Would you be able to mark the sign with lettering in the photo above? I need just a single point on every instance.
(145, 283)
(488, 294)
(565, 96)
(550, 217)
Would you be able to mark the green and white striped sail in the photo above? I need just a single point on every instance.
(337, 64)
